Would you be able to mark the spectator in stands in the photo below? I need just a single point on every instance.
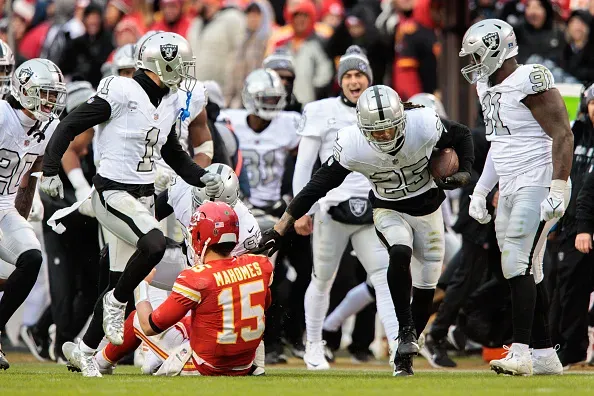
(86, 54)
(173, 18)
(313, 68)
(115, 11)
(215, 37)
(126, 32)
(482, 9)
(332, 13)
(22, 14)
(58, 31)
(133, 10)
(578, 56)
(537, 33)
(259, 16)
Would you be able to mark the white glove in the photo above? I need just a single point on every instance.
(36, 213)
(52, 186)
(478, 205)
(163, 179)
(213, 184)
(554, 205)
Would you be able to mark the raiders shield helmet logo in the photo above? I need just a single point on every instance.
(491, 40)
(25, 75)
(358, 206)
(168, 52)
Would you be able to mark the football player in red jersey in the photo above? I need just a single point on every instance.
(227, 297)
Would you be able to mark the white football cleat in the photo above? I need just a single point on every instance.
(314, 356)
(516, 362)
(547, 365)
(85, 362)
(113, 318)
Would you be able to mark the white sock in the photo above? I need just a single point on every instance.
(115, 301)
(356, 299)
(521, 347)
(102, 362)
(543, 352)
(317, 301)
(83, 347)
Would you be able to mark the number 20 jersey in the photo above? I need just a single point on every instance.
(399, 176)
(518, 143)
(130, 142)
(22, 140)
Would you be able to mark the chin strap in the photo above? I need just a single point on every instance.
(185, 113)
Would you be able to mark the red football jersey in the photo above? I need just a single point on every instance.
(228, 298)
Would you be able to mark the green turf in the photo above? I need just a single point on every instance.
(38, 379)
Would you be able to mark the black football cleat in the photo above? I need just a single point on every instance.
(407, 341)
(3, 362)
(403, 366)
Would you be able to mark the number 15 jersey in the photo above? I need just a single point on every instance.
(130, 142)
(518, 143)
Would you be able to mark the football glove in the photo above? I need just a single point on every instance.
(213, 184)
(52, 186)
(36, 213)
(270, 242)
(478, 207)
(554, 205)
(163, 179)
(457, 180)
(86, 208)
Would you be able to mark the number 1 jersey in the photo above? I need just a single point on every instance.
(518, 143)
(130, 142)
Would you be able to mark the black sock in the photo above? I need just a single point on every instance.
(150, 251)
(421, 306)
(523, 296)
(400, 283)
(19, 284)
(541, 336)
(94, 333)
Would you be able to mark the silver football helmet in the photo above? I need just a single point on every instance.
(169, 56)
(379, 108)
(489, 42)
(230, 193)
(6, 68)
(38, 85)
(123, 59)
(264, 94)
(430, 101)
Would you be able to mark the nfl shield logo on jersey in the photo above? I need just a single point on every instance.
(25, 75)
(491, 40)
(358, 206)
(169, 52)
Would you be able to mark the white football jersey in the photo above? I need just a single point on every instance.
(264, 153)
(518, 143)
(400, 176)
(323, 119)
(130, 142)
(180, 199)
(22, 140)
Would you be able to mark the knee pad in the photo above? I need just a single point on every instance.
(425, 274)
(153, 243)
(30, 260)
(400, 256)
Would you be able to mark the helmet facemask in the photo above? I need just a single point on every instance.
(385, 146)
(45, 101)
(5, 76)
(269, 104)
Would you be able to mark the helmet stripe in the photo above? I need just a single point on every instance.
(378, 101)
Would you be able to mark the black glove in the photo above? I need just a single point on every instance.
(271, 241)
(457, 180)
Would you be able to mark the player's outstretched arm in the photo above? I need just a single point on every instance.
(180, 161)
(171, 311)
(201, 140)
(26, 191)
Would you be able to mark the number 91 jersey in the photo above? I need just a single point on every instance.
(130, 142)
(518, 143)
(399, 176)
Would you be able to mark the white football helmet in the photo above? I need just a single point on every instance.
(230, 193)
(430, 101)
(264, 94)
(169, 56)
(123, 59)
(38, 85)
(379, 108)
(489, 42)
(6, 68)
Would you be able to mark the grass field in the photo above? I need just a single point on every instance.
(26, 378)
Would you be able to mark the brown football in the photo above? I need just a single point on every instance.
(444, 163)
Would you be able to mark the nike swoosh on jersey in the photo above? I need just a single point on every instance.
(250, 230)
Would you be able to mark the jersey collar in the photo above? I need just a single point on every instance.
(345, 101)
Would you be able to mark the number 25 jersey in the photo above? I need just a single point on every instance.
(130, 142)
(518, 143)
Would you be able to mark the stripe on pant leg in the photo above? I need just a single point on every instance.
(126, 219)
(541, 226)
(382, 239)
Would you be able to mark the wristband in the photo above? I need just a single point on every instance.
(141, 292)
(206, 148)
(78, 180)
(480, 191)
(558, 187)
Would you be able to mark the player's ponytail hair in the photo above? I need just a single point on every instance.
(411, 105)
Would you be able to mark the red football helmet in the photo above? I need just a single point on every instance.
(212, 223)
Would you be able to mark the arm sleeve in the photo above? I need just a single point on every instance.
(306, 159)
(86, 116)
(459, 137)
(179, 160)
(585, 206)
(489, 177)
(329, 176)
(162, 207)
(167, 314)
